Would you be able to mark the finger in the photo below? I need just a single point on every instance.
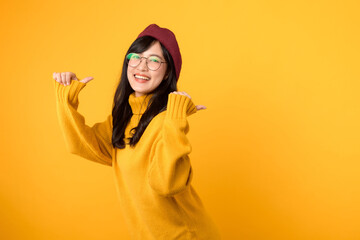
(73, 76)
(54, 77)
(179, 93)
(63, 78)
(200, 107)
(58, 77)
(86, 80)
(187, 95)
(68, 80)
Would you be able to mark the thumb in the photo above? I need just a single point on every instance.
(86, 80)
(200, 107)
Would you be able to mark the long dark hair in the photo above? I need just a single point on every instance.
(122, 112)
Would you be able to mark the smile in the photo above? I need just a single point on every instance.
(141, 77)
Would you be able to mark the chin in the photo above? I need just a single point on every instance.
(140, 91)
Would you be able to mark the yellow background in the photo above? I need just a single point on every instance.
(275, 155)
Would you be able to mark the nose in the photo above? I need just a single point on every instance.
(142, 66)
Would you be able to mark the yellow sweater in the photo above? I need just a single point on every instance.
(153, 179)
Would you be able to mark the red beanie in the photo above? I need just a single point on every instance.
(167, 38)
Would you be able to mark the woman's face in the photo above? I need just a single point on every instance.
(144, 86)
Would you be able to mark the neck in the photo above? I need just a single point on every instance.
(140, 103)
(137, 94)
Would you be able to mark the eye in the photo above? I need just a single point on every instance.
(154, 59)
(133, 56)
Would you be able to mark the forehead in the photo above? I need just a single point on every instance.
(154, 49)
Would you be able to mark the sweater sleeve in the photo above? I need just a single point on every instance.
(93, 143)
(170, 170)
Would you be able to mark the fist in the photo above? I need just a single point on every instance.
(66, 77)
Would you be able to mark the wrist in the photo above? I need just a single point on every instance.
(179, 106)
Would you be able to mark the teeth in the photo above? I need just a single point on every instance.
(146, 78)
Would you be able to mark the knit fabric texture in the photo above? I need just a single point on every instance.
(153, 179)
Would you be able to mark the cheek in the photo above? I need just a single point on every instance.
(130, 75)
(161, 74)
(159, 78)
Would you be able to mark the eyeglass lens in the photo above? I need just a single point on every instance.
(152, 62)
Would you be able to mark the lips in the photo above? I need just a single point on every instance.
(141, 77)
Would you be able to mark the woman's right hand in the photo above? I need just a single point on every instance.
(65, 78)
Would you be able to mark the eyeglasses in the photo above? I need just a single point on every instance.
(153, 62)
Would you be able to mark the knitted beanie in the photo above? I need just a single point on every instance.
(168, 39)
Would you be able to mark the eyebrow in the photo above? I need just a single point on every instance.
(156, 56)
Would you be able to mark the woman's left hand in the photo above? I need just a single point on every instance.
(198, 107)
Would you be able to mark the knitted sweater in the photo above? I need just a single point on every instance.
(153, 178)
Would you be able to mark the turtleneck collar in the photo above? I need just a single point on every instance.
(139, 104)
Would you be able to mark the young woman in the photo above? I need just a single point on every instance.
(144, 140)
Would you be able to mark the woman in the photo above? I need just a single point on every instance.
(144, 140)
